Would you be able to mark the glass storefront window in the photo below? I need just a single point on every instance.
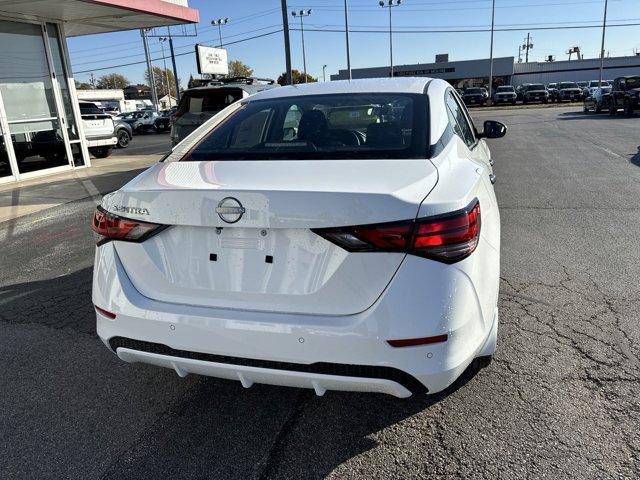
(29, 98)
(25, 81)
(38, 145)
(61, 76)
(5, 167)
(76, 154)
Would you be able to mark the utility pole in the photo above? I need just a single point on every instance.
(526, 47)
(219, 22)
(302, 14)
(173, 62)
(152, 81)
(604, 27)
(164, 63)
(346, 29)
(519, 53)
(287, 46)
(493, 16)
(324, 71)
(390, 4)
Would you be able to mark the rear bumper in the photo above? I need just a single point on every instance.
(310, 351)
(106, 141)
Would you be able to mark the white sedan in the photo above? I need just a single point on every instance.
(334, 236)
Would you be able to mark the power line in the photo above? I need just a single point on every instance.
(190, 45)
(598, 22)
(482, 30)
(177, 55)
(408, 10)
(243, 19)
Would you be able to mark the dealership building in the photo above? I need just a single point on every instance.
(40, 127)
(506, 71)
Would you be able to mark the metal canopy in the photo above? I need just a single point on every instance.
(83, 17)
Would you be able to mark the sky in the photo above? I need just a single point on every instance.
(107, 53)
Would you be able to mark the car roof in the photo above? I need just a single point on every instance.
(365, 85)
(247, 87)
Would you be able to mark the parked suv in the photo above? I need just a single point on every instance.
(505, 94)
(568, 92)
(124, 132)
(199, 104)
(475, 95)
(625, 94)
(534, 92)
(599, 98)
(99, 130)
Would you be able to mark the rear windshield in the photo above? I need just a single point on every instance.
(567, 85)
(90, 108)
(371, 125)
(209, 100)
(535, 86)
(633, 82)
(473, 90)
(505, 89)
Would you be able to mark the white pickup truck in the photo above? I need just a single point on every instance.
(99, 130)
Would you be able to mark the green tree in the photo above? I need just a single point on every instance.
(298, 77)
(160, 76)
(83, 86)
(112, 80)
(239, 69)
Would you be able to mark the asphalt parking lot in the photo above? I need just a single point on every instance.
(561, 399)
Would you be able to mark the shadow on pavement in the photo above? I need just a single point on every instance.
(636, 158)
(65, 189)
(214, 428)
(580, 115)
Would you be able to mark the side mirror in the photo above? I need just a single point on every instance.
(493, 129)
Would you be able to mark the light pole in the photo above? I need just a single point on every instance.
(324, 75)
(493, 17)
(219, 22)
(390, 4)
(152, 81)
(346, 29)
(604, 27)
(166, 73)
(302, 14)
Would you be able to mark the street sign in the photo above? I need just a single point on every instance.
(212, 60)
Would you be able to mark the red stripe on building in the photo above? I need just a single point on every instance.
(153, 7)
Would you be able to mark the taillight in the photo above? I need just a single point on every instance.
(112, 227)
(446, 238)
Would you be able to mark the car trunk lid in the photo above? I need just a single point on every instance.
(269, 259)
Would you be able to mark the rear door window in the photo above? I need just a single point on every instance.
(459, 120)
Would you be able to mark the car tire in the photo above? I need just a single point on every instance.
(513, 102)
(598, 108)
(123, 138)
(612, 110)
(585, 109)
(628, 108)
(101, 152)
(479, 363)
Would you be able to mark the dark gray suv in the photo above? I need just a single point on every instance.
(199, 104)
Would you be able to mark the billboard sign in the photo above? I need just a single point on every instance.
(212, 60)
